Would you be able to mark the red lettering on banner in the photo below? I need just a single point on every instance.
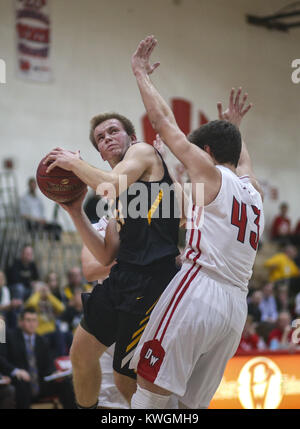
(182, 110)
(203, 119)
(33, 34)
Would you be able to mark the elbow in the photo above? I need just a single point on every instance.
(157, 120)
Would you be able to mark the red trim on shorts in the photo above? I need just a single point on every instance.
(173, 298)
(181, 284)
(178, 300)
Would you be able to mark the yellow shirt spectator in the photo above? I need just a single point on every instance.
(47, 306)
(281, 267)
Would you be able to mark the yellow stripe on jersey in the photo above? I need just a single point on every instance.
(134, 342)
(153, 305)
(138, 331)
(146, 318)
(155, 205)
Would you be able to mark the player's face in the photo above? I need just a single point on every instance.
(112, 140)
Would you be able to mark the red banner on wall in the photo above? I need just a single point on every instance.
(33, 40)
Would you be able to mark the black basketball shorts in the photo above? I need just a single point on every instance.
(118, 310)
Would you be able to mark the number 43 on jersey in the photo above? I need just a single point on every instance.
(239, 218)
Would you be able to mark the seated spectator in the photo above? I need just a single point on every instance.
(282, 298)
(75, 281)
(73, 313)
(280, 338)
(268, 305)
(281, 226)
(281, 266)
(32, 210)
(250, 340)
(71, 317)
(7, 304)
(296, 235)
(25, 357)
(297, 304)
(52, 281)
(48, 307)
(22, 274)
(253, 305)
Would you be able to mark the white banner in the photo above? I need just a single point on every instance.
(33, 40)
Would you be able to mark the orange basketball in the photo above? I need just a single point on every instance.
(59, 185)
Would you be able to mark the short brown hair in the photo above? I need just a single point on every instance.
(97, 120)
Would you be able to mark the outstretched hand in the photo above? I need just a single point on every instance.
(235, 111)
(140, 60)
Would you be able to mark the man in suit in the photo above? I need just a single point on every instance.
(25, 358)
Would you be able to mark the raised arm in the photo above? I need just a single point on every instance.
(235, 113)
(197, 162)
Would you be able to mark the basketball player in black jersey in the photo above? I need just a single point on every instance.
(145, 249)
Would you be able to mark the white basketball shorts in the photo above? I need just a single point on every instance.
(194, 329)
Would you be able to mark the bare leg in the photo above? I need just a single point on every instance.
(85, 354)
(126, 385)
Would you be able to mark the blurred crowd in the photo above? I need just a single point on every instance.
(274, 306)
(42, 313)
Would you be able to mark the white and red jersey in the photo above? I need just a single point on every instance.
(223, 236)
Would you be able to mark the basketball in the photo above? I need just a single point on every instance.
(59, 185)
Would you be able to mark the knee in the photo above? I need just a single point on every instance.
(85, 351)
(125, 385)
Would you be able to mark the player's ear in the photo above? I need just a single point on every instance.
(133, 138)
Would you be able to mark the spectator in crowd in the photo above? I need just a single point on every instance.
(253, 305)
(280, 338)
(250, 340)
(268, 305)
(281, 266)
(52, 280)
(295, 238)
(25, 357)
(282, 298)
(48, 308)
(281, 226)
(32, 210)
(22, 274)
(73, 313)
(75, 281)
(6, 303)
(297, 304)
(71, 317)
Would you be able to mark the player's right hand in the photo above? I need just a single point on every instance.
(75, 205)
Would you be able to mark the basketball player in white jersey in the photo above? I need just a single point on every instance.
(196, 326)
